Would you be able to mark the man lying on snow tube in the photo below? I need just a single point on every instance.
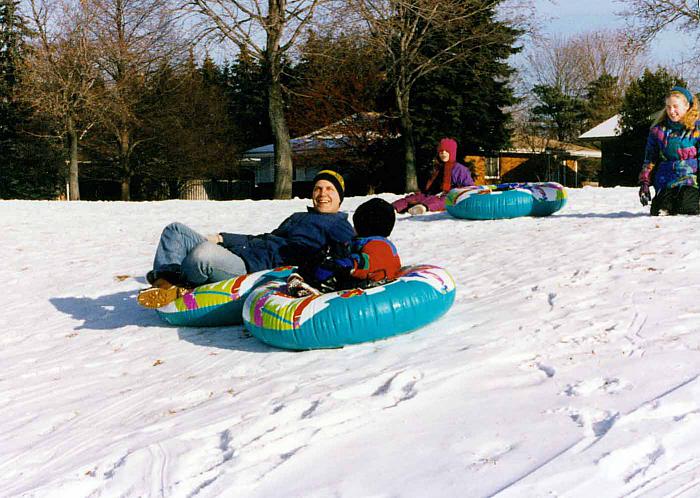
(507, 200)
(185, 259)
(374, 259)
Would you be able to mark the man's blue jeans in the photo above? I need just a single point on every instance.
(181, 249)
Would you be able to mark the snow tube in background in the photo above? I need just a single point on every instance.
(507, 200)
(218, 303)
(419, 296)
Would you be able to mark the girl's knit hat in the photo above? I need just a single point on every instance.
(683, 91)
(450, 146)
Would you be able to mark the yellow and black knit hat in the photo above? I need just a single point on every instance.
(335, 178)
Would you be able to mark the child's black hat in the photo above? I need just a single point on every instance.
(374, 217)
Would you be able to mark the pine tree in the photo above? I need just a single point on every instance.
(603, 99)
(11, 46)
(247, 96)
(467, 99)
(561, 116)
(29, 168)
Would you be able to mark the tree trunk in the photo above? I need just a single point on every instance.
(124, 164)
(73, 162)
(126, 189)
(406, 127)
(277, 10)
(283, 148)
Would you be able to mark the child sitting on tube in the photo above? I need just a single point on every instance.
(370, 259)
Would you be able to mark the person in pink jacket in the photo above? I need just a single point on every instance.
(446, 175)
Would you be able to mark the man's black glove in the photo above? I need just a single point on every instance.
(329, 268)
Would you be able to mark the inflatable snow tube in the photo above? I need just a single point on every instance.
(218, 303)
(507, 200)
(419, 296)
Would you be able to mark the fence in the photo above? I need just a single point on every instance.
(202, 190)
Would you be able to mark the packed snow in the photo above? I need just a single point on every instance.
(568, 365)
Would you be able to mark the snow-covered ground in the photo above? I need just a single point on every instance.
(568, 365)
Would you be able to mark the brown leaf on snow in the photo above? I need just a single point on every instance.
(157, 362)
(121, 278)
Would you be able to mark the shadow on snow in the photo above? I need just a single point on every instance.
(115, 311)
(446, 216)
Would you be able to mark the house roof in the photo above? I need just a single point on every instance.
(531, 144)
(300, 144)
(610, 128)
(334, 136)
(338, 135)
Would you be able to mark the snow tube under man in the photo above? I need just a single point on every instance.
(218, 303)
(506, 200)
(419, 296)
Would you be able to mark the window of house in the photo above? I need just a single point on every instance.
(493, 167)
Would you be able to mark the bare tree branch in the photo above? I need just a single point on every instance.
(267, 30)
(646, 18)
(570, 64)
(59, 75)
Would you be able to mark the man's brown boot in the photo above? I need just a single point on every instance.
(162, 293)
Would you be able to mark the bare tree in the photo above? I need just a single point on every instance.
(59, 75)
(572, 63)
(135, 40)
(648, 17)
(402, 29)
(267, 30)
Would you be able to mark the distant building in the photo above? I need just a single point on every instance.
(529, 159)
(607, 130)
(532, 158)
(604, 136)
(319, 149)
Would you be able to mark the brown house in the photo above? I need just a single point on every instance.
(536, 159)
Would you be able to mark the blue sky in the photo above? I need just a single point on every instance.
(575, 16)
(579, 15)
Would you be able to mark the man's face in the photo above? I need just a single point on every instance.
(325, 197)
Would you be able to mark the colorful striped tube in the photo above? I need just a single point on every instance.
(507, 200)
(418, 297)
(218, 303)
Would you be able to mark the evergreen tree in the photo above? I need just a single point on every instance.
(29, 168)
(11, 46)
(560, 116)
(192, 137)
(467, 99)
(642, 102)
(419, 41)
(246, 93)
(603, 99)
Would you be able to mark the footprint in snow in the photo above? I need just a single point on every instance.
(595, 423)
(587, 387)
(631, 462)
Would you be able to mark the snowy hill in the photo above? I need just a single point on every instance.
(568, 365)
